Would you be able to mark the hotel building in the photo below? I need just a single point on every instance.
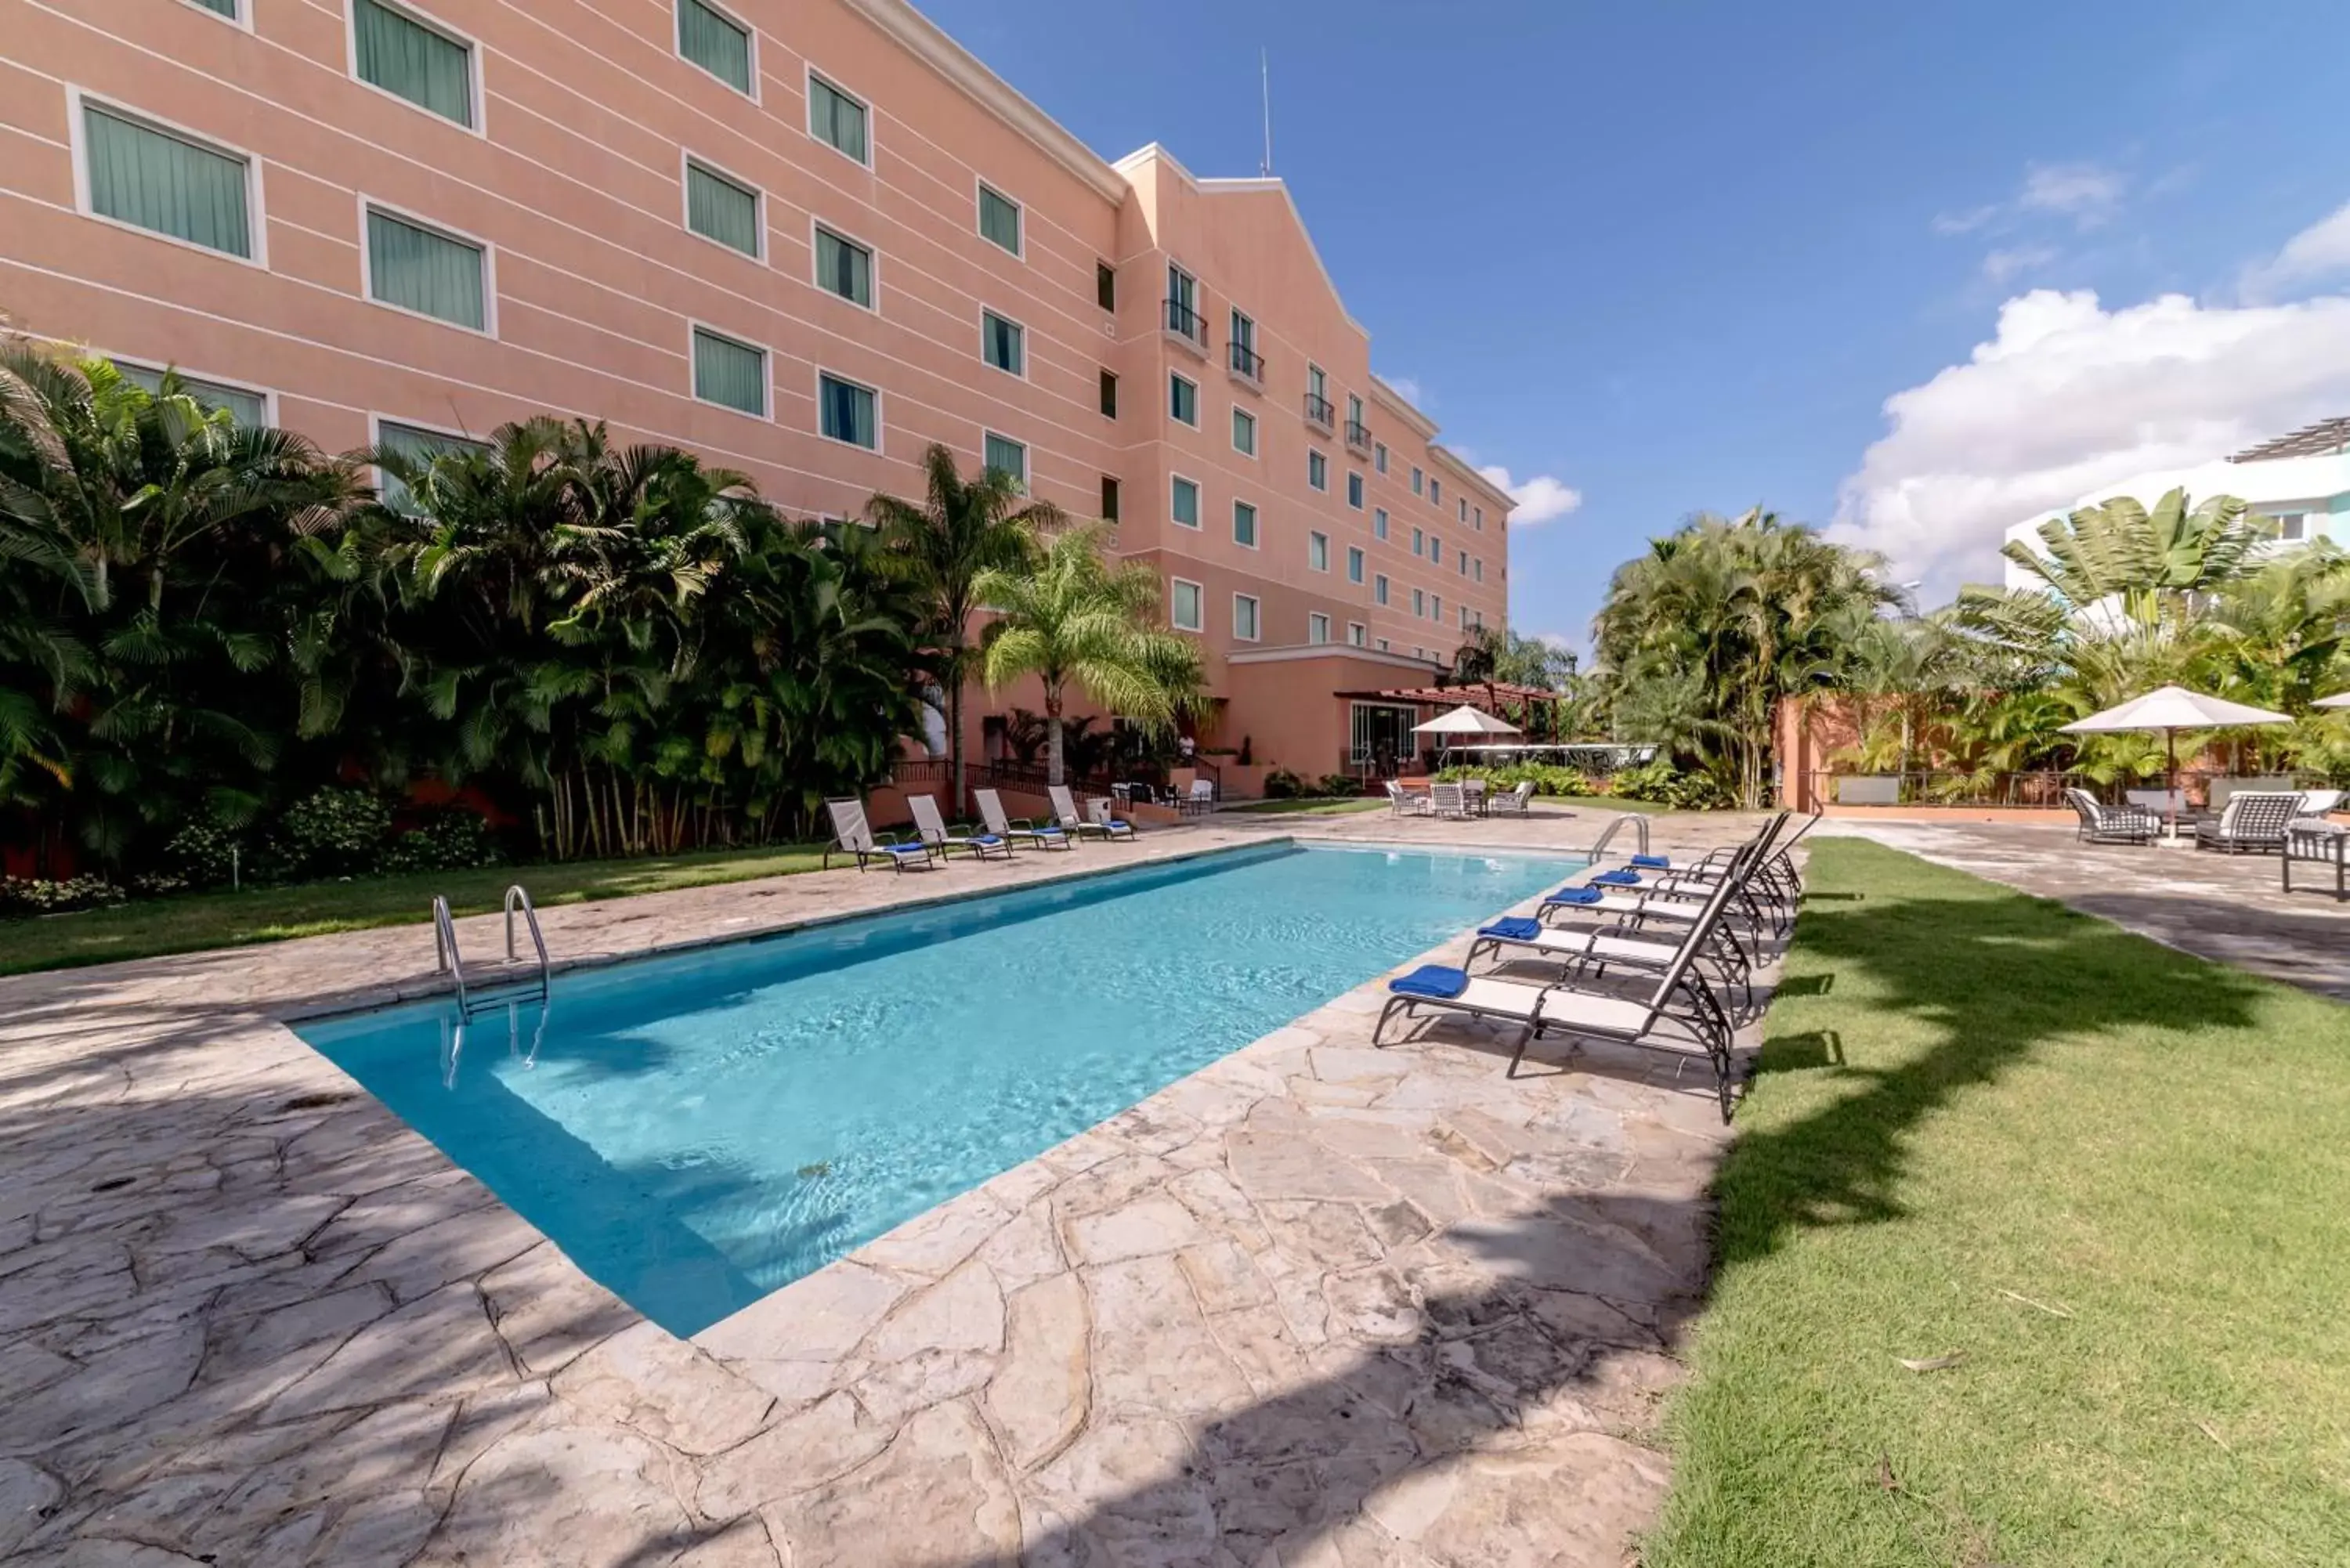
(806, 238)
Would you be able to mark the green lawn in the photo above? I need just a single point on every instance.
(272, 914)
(1308, 807)
(2113, 1178)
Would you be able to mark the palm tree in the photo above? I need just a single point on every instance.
(963, 530)
(1071, 618)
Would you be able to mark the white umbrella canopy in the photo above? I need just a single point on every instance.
(2339, 700)
(2171, 709)
(1466, 721)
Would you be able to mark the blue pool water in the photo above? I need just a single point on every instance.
(696, 1131)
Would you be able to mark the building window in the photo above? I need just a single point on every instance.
(1463, 502)
(1354, 563)
(1355, 491)
(1183, 598)
(427, 272)
(1435, 550)
(837, 119)
(731, 375)
(1379, 456)
(1383, 646)
(717, 43)
(220, 7)
(724, 210)
(1477, 518)
(1183, 502)
(1183, 400)
(844, 267)
(1108, 499)
(165, 183)
(1317, 469)
(1316, 383)
(1105, 285)
(1435, 607)
(1435, 491)
(1418, 482)
(1244, 523)
(1008, 458)
(1244, 431)
(2292, 525)
(410, 58)
(1479, 564)
(1464, 617)
(1244, 618)
(249, 410)
(1183, 305)
(1003, 344)
(1419, 605)
(1355, 632)
(1317, 628)
(420, 446)
(1109, 394)
(1419, 542)
(849, 413)
(999, 219)
(1317, 551)
(1380, 590)
(1460, 563)
(1378, 521)
(1245, 358)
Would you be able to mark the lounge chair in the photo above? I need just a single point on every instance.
(1200, 801)
(2102, 824)
(1036, 836)
(1618, 896)
(1592, 952)
(2253, 823)
(1099, 813)
(1404, 802)
(1512, 803)
(1568, 1009)
(853, 835)
(1065, 809)
(931, 828)
(2317, 802)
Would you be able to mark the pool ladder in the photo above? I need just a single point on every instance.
(1640, 830)
(506, 987)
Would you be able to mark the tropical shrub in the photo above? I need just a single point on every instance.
(1280, 783)
(1547, 778)
(329, 833)
(453, 839)
(24, 896)
(1340, 784)
(1660, 784)
(203, 855)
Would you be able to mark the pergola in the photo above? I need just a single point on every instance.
(1495, 698)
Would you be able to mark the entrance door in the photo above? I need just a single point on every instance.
(1381, 738)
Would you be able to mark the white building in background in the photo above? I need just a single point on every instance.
(2301, 480)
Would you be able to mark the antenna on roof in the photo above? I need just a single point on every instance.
(1264, 77)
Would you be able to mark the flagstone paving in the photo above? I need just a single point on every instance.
(1318, 1304)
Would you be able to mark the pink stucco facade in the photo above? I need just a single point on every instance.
(571, 180)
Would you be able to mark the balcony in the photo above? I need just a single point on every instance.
(1359, 438)
(1247, 366)
(1319, 412)
(1185, 326)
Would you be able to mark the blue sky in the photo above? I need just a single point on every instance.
(1679, 256)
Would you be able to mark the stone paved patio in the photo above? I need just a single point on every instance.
(1314, 1306)
(2228, 907)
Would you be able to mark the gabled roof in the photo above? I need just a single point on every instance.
(1221, 187)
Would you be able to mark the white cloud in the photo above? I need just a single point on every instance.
(1408, 390)
(1965, 222)
(2003, 266)
(1540, 499)
(2320, 251)
(2068, 396)
(2084, 193)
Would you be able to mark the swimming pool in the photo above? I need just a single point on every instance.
(696, 1131)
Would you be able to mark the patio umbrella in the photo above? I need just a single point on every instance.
(2339, 700)
(1465, 720)
(2171, 709)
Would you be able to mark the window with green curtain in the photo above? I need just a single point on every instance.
(1003, 343)
(1244, 431)
(844, 268)
(225, 7)
(426, 272)
(999, 219)
(157, 181)
(718, 209)
(1183, 502)
(249, 410)
(410, 60)
(715, 43)
(836, 119)
(1009, 458)
(732, 375)
(1244, 523)
(848, 412)
(1183, 399)
(423, 446)
(1183, 606)
(1244, 614)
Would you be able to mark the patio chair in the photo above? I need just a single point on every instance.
(2102, 824)
(931, 828)
(1512, 803)
(1680, 996)
(1036, 836)
(1099, 813)
(1526, 937)
(1065, 809)
(1472, 796)
(1764, 894)
(2253, 823)
(1404, 802)
(853, 835)
(1447, 801)
(1633, 907)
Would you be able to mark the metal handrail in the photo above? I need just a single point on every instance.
(1318, 409)
(517, 894)
(1640, 830)
(444, 945)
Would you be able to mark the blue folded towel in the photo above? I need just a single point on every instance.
(1618, 878)
(1574, 896)
(1653, 862)
(1432, 979)
(1513, 928)
(906, 849)
(986, 838)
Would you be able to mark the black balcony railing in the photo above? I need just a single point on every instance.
(1318, 409)
(1247, 361)
(1359, 435)
(1184, 321)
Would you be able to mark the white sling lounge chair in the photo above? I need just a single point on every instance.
(931, 827)
(1099, 813)
(1065, 809)
(1680, 996)
(854, 837)
(1036, 836)
(1513, 802)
